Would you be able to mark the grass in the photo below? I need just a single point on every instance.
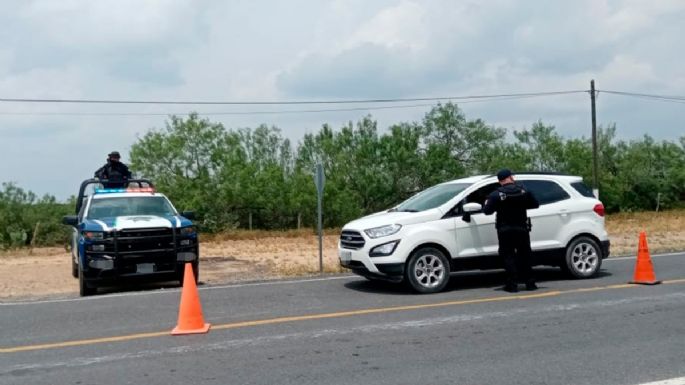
(665, 231)
(240, 234)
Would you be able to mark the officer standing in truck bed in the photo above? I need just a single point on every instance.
(511, 202)
(115, 172)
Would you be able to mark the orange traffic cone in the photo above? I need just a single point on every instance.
(190, 320)
(644, 271)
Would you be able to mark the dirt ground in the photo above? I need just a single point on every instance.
(257, 255)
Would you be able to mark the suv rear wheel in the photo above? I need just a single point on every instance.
(583, 258)
(427, 270)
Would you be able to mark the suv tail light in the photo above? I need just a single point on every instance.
(599, 209)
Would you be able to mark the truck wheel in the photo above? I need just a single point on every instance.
(84, 288)
(428, 270)
(583, 258)
(74, 267)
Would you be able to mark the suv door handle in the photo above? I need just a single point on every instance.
(563, 212)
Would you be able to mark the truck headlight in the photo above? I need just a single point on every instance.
(187, 231)
(382, 231)
(384, 250)
(94, 235)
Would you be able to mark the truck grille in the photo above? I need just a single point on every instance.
(351, 240)
(149, 240)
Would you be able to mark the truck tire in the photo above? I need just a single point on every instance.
(74, 267)
(84, 288)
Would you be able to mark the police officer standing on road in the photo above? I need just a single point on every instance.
(115, 172)
(511, 201)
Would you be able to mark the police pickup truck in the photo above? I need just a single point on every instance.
(129, 233)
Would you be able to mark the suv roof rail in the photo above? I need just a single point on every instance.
(537, 173)
(88, 182)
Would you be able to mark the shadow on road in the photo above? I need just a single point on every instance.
(125, 287)
(465, 280)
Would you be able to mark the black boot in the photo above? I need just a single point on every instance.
(530, 286)
(511, 287)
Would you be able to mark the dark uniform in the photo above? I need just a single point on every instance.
(511, 201)
(115, 172)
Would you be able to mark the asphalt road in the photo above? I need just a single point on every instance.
(346, 330)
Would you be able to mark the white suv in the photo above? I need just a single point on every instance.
(442, 229)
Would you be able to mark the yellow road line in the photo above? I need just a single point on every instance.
(309, 317)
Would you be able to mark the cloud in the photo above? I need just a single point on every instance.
(306, 49)
(109, 24)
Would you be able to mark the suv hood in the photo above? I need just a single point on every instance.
(393, 217)
(135, 222)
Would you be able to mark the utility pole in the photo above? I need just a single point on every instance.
(320, 181)
(595, 177)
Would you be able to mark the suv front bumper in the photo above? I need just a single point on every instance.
(388, 267)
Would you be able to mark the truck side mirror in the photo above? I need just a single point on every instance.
(188, 215)
(71, 220)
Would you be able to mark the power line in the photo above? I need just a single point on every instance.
(646, 96)
(214, 112)
(357, 101)
(273, 112)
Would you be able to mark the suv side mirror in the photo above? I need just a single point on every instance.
(71, 220)
(470, 208)
(188, 215)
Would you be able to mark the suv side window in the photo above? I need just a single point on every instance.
(583, 189)
(546, 191)
(478, 196)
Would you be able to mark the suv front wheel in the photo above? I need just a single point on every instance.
(583, 258)
(428, 270)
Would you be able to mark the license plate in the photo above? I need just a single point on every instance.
(345, 256)
(145, 268)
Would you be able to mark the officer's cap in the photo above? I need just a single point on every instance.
(504, 174)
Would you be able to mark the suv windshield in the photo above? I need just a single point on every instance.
(122, 206)
(432, 197)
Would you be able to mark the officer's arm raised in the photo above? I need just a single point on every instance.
(490, 204)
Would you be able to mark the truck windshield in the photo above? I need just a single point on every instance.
(432, 197)
(123, 206)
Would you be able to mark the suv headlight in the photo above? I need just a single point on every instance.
(382, 231)
(94, 235)
(187, 231)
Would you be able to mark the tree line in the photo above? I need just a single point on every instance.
(255, 177)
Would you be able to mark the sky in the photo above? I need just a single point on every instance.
(212, 50)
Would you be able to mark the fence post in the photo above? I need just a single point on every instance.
(33, 238)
